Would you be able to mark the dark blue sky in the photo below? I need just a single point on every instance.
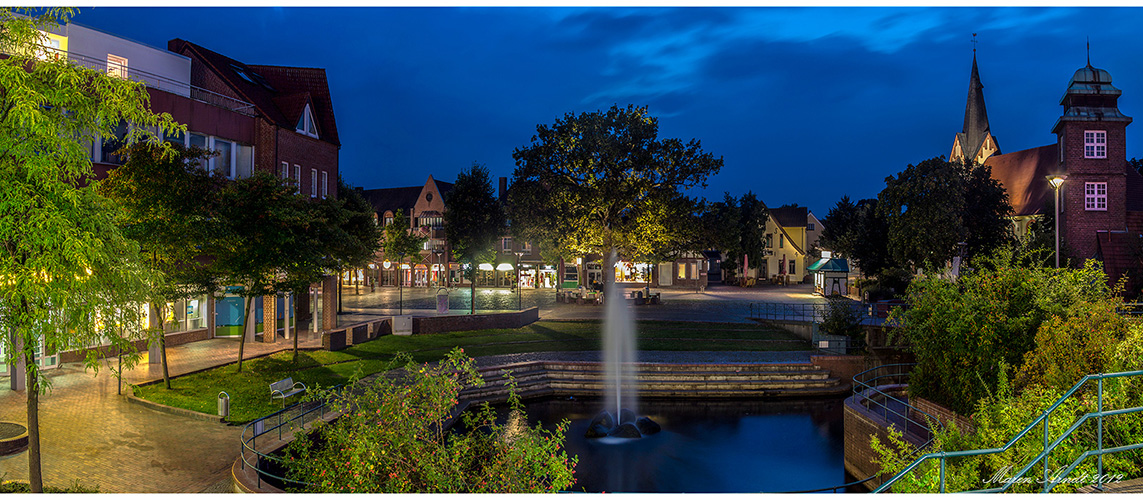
(804, 104)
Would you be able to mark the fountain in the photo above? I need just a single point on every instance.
(619, 358)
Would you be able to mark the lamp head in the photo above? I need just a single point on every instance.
(1056, 180)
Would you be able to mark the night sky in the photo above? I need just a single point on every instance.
(804, 104)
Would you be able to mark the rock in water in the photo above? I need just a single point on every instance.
(647, 426)
(627, 430)
(626, 416)
(603, 419)
(596, 431)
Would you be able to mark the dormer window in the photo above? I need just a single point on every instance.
(306, 124)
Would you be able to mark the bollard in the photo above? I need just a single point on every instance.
(442, 300)
(223, 405)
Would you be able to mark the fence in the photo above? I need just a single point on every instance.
(304, 413)
(1048, 481)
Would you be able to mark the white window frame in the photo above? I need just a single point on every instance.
(506, 244)
(297, 178)
(1095, 196)
(117, 66)
(810, 226)
(309, 125)
(1095, 144)
(527, 248)
(285, 170)
(324, 184)
(313, 183)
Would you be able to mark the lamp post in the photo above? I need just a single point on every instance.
(1057, 180)
(518, 254)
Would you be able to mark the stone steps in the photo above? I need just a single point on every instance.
(540, 379)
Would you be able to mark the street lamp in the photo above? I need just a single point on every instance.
(518, 254)
(1057, 180)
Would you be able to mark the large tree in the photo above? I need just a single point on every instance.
(737, 227)
(165, 201)
(593, 182)
(64, 261)
(401, 242)
(860, 233)
(473, 221)
(934, 205)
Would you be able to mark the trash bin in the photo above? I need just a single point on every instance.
(442, 300)
(223, 404)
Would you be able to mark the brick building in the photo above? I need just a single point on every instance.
(424, 206)
(1101, 200)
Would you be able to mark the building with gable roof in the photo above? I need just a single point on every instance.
(424, 206)
(1101, 200)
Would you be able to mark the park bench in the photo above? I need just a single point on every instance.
(285, 388)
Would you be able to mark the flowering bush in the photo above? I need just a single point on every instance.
(392, 439)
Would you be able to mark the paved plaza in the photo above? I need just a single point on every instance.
(91, 434)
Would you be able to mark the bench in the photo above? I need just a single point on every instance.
(285, 388)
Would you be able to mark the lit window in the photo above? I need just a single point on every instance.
(324, 184)
(527, 248)
(1094, 144)
(682, 271)
(388, 221)
(313, 183)
(306, 123)
(1095, 196)
(116, 66)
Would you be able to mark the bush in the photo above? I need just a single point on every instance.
(1069, 347)
(962, 330)
(842, 319)
(22, 487)
(392, 439)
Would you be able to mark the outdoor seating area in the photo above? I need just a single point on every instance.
(580, 297)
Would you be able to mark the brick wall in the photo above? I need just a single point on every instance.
(841, 367)
(1078, 224)
(440, 324)
(173, 339)
(860, 426)
(329, 303)
(944, 415)
(307, 152)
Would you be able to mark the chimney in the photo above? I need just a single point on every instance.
(503, 186)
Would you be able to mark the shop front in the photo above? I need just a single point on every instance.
(632, 272)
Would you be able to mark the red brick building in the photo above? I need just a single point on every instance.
(1101, 200)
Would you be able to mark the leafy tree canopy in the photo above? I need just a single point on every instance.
(594, 182)
(474, 220)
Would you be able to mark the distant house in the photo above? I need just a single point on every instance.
(424, 206)
(791, 232)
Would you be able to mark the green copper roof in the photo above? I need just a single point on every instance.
(830, 265)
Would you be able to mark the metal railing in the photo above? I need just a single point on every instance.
(1043, 420)
(159, 82)
(866, 313)
(306, 412)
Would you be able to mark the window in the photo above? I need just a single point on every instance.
(112, 145)
(769, 240)
(810, 226)
(313, 183)
(1094, 144)
(306, 123)
(116, 66)
(243, 161)
(388, 220)
(324, 184)
(527, 248)
(781, 241)
(285, 170)
(1095, 196)
(297, 178)
(224, 162)
(792, 267)
(682, 271)
(506, 244)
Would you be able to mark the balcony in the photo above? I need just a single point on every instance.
(165, 84)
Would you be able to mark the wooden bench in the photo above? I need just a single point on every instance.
(285, 388)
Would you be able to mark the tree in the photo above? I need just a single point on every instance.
(64, 260)
(400, 241)
(473, 221)
(165, 201)
(265, 227)
(589, 182)
(934, 205)
(737, 227)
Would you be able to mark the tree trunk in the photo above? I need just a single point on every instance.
(295, 304)
(35, 472)
(163, 346)
(242, 340)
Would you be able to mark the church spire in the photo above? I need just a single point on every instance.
(975, 129)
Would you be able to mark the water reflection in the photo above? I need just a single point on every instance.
(708, 446)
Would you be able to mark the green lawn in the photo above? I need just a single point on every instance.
(250, 394)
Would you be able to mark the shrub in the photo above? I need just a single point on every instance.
(392, 439)
(1069, 347)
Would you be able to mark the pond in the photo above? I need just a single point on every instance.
(707, 446)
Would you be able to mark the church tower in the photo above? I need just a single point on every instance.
(1091, 137)
(975, 142)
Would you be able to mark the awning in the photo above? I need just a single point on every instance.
(485, 267)
(504, 267)
(829, 265)
(421, 267)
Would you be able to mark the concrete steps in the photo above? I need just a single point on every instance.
(768, 380)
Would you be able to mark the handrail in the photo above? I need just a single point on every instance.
(259, 429)
(1048, 447)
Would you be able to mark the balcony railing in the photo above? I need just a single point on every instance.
(166, 84)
